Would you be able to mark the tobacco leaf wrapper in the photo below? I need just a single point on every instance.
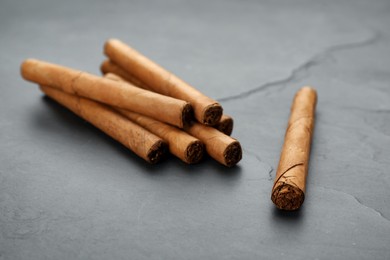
(108, 67)
(142, 142)
(289, 188)
(167, 109)
(116, 77)
(182, 145)
(219, 146)
(207, 110)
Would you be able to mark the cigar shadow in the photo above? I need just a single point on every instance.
(205, 162)
(208, 163)
(79, 125)
(226, 172)
(286, 224)
(290, 216)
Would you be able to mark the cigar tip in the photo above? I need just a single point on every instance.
(232, 154)
(308, 92)
(194, 152)
(103, 66)
(157, 152)
(110, 42)
(187, 115)
(212, 114)
(25, 66)
(287, 197)
(308, 89)
(226, 126)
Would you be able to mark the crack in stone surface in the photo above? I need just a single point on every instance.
(377, 212)
(314, 60)
(271, 169)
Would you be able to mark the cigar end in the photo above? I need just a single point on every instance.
(226, 126)
(194, 152)
(308, 91)
(157, 152)
(109, 42)
(287, 197)
(212, 114)
(187, 115)
(232, 154)
(25, 68)
(103, 67)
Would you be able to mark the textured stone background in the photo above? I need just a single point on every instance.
(69, 192)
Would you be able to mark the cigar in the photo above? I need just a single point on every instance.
(143, 143)
(182, 145)
(225, 124)
(207, 111)
(108, 66)
(288, 192)
(127, 96)
(219, 146)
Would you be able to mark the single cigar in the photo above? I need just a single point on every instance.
(219, 146)
(108, 66)
(127, 96)
(288, 192)
(207, 111)
(182, 145)
(145, 144)
(225, 124)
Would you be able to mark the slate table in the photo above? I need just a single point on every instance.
(67, 191)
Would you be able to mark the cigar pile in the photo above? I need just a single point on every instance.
(141, 105)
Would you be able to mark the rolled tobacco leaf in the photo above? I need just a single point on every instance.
(289, 188)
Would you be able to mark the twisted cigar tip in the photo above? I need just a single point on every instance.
(233, 154)
(226, 126)
(212, 114)
(287, 197)
(194, 152)
(157, 152)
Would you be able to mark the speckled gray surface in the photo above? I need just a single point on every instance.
(69, 192)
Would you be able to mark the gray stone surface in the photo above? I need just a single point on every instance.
(69, 192)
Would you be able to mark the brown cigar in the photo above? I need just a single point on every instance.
(145, 144)
(207, 110)
(225, 124)
(184, 146)
(219, 146)
(288, 191)
(127, 96)
(110, 67)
